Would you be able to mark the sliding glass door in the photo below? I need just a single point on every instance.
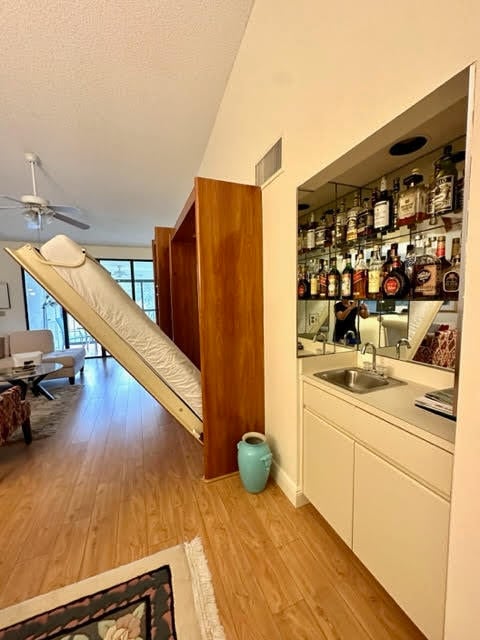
(134, 276)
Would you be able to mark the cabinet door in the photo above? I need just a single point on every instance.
(400, 533)
(328, 473)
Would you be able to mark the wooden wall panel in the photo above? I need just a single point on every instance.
(161, 262)
(184, 297)
(229, 245)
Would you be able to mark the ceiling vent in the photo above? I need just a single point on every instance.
(269, 165)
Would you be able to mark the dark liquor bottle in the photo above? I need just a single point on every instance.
(333, 280)
(383, 211)
(329, 217)
(451, 276)
(409, 263)
(322, 281)
(365, 220)
(360, 278)
(396, 284)
(395, 195)
(347, 278)
(303, 285)
(445, 179)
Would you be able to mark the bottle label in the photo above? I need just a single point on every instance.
(391, 285)
(360, 283)
(426, 280)
(313, 286)
(444, 192)
(380, 215)
(451, 282)
(311, 239)
(301, 290)
(406, 207)
(374, 281)
(346, 285)
(322, 284)
(332, 286)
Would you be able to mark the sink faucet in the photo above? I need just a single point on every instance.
(321, 337)
(374, 354)
(348, 334)
(399, 344)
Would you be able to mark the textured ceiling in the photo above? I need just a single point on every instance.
(118, 98)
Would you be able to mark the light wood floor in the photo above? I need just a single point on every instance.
(121, 480)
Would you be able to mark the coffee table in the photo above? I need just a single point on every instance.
(23, 376)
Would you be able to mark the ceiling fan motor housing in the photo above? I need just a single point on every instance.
(35, 200)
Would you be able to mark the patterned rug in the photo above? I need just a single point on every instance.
(47, 415)
(167, 596)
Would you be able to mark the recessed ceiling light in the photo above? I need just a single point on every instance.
(302, 206)
(408, 145)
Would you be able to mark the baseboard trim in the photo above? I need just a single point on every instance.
(289, 488)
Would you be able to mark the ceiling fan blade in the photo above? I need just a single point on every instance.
(63, 208)
(10, 198)
(75, 223)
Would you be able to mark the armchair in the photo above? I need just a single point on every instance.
(14, 413)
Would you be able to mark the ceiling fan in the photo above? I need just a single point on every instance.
(38, 211)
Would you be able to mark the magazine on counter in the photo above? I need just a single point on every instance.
(440, 401)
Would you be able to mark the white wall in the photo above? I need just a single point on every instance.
(325, 76)
(14, 318)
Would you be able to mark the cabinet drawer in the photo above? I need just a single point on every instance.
(423, 460)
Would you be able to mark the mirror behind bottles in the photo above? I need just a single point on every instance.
(374, 213)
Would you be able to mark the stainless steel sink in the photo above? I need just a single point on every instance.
(357, 380)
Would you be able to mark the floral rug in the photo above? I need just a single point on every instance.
(167, 596)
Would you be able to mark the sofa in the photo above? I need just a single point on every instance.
(72, 360)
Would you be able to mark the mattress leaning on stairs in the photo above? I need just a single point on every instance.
(89, 293)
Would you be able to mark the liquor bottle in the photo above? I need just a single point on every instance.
(446, 176)
(459, 191)
(322, 280)
(412, 202)
(365, 220)
(383, 211)
(313, 280)
(388, 263)
(451, 276)
(303, 285)
(346, 287)
(375, 274)
(340, 225)
(430, 212)
(426, 273)
(329, 218)
(395, 196)
(396, 284)
(311, 233)
(333, 280)
(320, 234)
(360, 278)
(409, 262)
(352, 219)
(440, 253)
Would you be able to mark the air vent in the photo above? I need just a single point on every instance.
(269, 164)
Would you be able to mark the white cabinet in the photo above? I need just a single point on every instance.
(384, 491)
(400, 534)
(328, 473)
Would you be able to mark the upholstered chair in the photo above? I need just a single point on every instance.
(14, 413)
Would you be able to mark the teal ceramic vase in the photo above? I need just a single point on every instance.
(254, 461)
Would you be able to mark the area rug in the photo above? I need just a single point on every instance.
(47, 415)
(166, 596)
